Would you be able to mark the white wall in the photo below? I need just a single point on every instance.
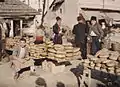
(91, 3)
(112, 4)
(71, 12)
(108, 4)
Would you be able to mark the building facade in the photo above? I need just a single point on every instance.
(70, 9)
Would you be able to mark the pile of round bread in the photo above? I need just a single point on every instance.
(47, 49)
(37, 51)
(105, 60)
(65, 51)
(12, 42)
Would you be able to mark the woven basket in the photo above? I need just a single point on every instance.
(116, 46)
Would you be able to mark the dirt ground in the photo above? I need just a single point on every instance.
(25, 80)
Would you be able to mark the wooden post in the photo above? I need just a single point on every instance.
(21, 27)
(12, 31)
(48, 13)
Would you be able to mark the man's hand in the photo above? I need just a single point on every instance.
(60, 31)
(99, 40)
(88, 38)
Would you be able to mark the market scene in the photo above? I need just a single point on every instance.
(59, 43)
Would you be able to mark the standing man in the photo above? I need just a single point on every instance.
(57, 31)
(80, 30)
(96, 34)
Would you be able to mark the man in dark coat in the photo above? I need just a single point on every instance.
(56, 29)
(80, 30)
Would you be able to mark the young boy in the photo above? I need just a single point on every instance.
(20, 58)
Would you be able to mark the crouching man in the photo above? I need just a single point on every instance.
(20, 59)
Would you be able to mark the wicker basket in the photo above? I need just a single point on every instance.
(116, 46)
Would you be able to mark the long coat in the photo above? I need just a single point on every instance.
(81, 31)
(57, 37)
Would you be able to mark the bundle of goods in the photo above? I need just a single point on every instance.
(65, 51)
(105, 60)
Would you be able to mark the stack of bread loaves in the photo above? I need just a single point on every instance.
(104, 60)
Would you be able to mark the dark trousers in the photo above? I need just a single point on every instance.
(83, 49)
(95, 45)
(57, 39)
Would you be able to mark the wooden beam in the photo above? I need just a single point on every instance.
(11, 31)
(21, 27)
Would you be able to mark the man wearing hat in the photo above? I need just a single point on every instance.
(57, 31)
(96, 34)
(81, 31)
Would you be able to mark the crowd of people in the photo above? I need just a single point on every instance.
(84, 32)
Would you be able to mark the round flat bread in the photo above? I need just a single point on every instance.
(76, 50)
(98, 65)
(51, 54)
(51, 50)
(41, 45)
(106, 61)
(67, 45)
(69, 54)
(111, 64)
(48, 42)
(92, 58)
(97, 61)
(118, 70)
(68, 48)
(50, 46)
(61, 52)
(77, 53)
(111, 71)
(59, 56)
(58, 46)
(51, 57)
(104, 70)
(97, 68)
(69, 51)
(92, 65)
(87, 61)
(59, 49)
(111, 68)
(44, 54)
(86, 65)
(104, 55)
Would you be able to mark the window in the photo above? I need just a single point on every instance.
(2, 0)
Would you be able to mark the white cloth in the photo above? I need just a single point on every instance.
(22, 53)
(92, 33)
(11, 33)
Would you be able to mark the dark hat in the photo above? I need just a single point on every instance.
(58, 18)
(79, 18)
(93, 18)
